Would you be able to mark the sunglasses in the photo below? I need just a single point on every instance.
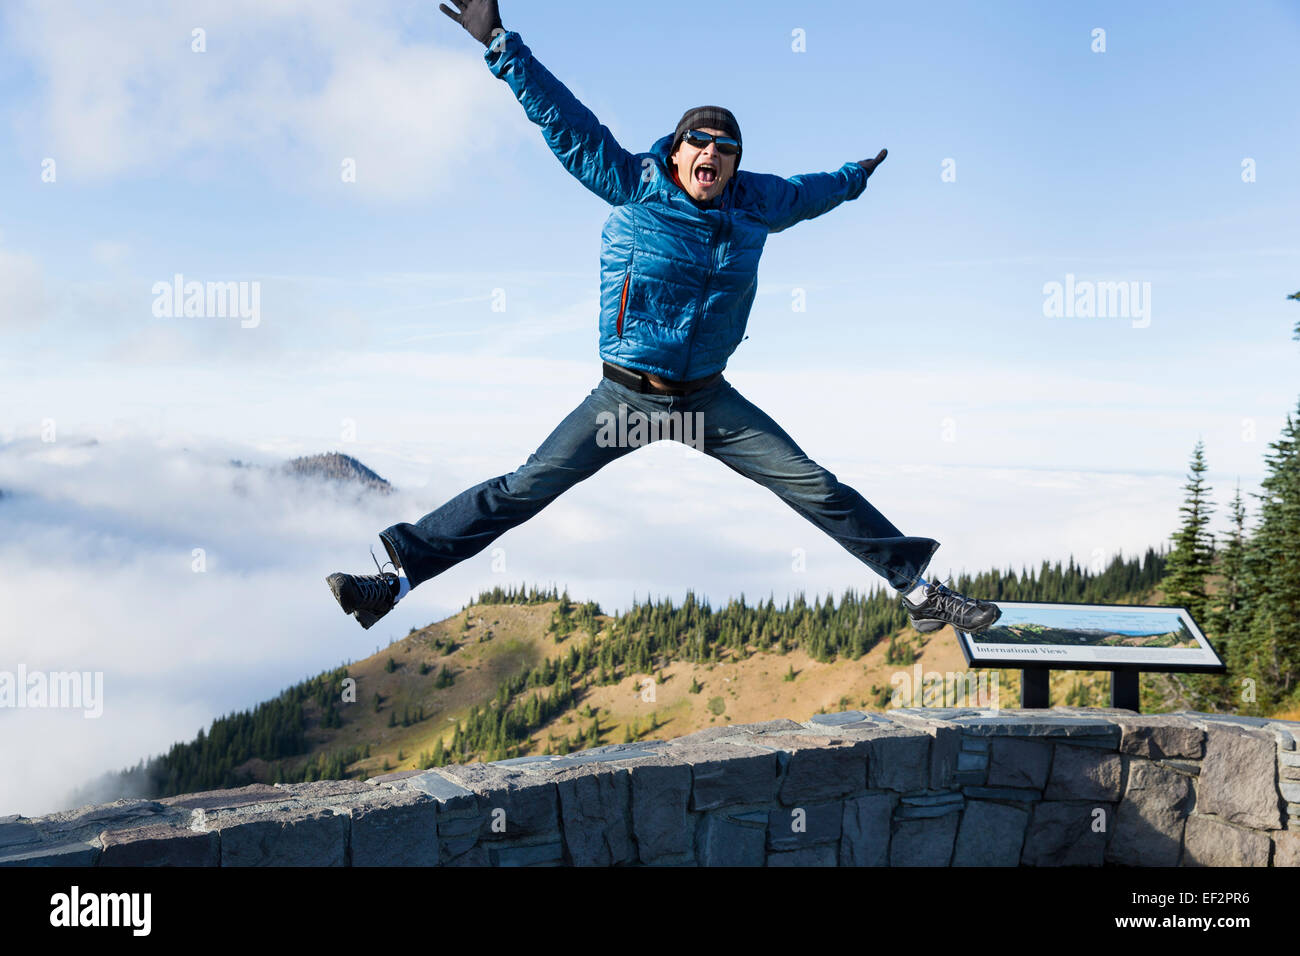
(726, 145)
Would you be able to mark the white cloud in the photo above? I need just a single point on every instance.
(24, 299)
(97, 574)
(289, 89)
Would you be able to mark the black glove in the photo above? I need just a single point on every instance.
(870, 164)
(480, 17)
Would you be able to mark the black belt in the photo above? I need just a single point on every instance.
(637, 381)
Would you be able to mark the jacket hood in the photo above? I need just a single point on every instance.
(663, 147)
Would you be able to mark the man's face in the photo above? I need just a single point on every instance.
(703, 172)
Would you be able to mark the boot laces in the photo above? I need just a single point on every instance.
(949, 600)
(375, 590)
(378, 565)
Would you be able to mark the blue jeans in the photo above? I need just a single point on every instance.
(735, 431)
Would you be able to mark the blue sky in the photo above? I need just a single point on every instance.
(923, 370)
(1123, 165)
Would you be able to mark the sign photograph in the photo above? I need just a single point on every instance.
(1091, 636)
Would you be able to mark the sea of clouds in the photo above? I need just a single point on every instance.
(196, 587)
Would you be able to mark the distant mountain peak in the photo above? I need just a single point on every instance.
(336, 466)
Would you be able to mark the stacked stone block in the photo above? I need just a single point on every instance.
(919, 787)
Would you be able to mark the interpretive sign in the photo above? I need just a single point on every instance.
(1122, 638)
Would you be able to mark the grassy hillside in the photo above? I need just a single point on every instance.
(485, 644)
(515, 674)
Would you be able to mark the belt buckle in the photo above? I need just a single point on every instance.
(677, 389)
(648, 385)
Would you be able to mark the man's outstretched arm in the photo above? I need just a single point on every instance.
(788, 201)
(586, 148)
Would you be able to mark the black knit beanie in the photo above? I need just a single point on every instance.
(710, 117)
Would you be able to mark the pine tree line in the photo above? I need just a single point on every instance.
(651, 635)
(520, 595)
(1253, 617)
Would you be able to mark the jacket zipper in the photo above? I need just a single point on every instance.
(704, 298)
(622, 305)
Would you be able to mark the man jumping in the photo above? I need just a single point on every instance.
(679, 263)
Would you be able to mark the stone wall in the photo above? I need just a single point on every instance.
(933, 787)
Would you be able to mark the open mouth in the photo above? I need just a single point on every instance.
(706, 174)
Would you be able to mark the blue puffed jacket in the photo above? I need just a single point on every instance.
(677, 280)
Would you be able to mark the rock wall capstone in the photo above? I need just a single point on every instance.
(914, 787)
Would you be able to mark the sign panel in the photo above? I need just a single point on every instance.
(1091, 637)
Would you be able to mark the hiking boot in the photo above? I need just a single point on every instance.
(945, 606)
(367, 597)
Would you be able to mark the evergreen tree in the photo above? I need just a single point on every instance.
(1192, 557)
(1268, 647)
(1228, 603)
